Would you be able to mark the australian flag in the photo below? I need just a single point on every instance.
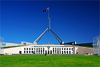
(46, 10)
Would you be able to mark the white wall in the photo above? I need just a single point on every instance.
(14, 50)
(11, 44)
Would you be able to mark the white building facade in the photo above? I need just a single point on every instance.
(47, 50)
(40, 49)
(30, 48)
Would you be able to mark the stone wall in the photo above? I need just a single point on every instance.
(84, 50)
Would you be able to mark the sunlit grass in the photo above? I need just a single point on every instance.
(49, 61)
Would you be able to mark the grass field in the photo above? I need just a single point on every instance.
(49, 61)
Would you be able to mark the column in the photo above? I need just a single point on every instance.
(52, 50)
(56, 50)
(35, 50)
(22, 49)
(49, 50)
(40, 51)
(71, 51)
(44, 50)
(63, 50)
(59, 50)
(68, 50)
(28, 50)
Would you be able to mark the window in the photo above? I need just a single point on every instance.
(27, 48)
(24, 48)
(64, 52)
(69, 52)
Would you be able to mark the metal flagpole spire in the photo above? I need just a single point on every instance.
(48, 19)
(48, 28)
(48, 12)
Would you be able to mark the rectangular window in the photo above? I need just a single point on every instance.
(69, 52)
(64, 52)
(53, 50)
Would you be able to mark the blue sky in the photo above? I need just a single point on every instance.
(70, 20)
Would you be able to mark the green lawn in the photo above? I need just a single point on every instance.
(49, 61)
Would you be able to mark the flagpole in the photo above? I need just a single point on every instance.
(48, 19)
(48, 12)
